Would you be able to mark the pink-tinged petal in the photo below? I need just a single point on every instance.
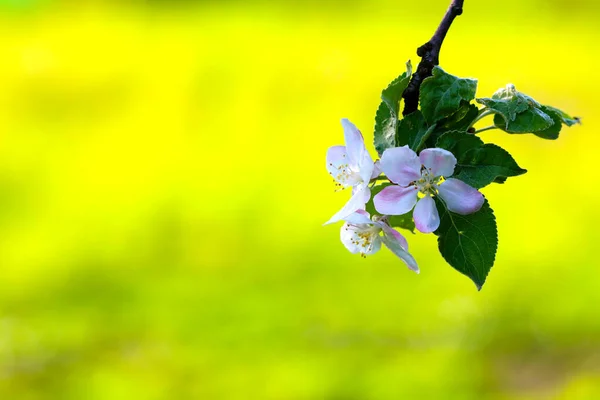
(401, 165)
(355, 144)
(426, 215)
(395, 200)
(439, 161)
(354, 239)
(376, 169)
(389, 231)
(396, 247)
(356, 202)
(459, 197)
(359, 217)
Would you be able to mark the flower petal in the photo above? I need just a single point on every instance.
(366, 167)
(439, 161)
(353, 238)
(388, 230)
(364, 187)
(401, 165)
(426, 215)
(459, 197)
(355, 144)
(357, 201)
(336, 160)
(395, 200)
(375, 246)
(395, 247)
(376, 169)
(348, 235)
(359, 217)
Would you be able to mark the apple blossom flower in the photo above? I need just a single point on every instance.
(351, 166)
(419, 178)
(361, 234)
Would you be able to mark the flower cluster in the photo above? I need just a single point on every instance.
(433, 162)
(415, 181)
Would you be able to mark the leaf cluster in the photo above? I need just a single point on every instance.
(445, 119)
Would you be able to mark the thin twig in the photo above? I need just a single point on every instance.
(430, 57)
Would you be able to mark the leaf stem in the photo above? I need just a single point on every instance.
(487, 128)
(484, 112)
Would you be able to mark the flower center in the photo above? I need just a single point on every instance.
(346, 175)
(428, 184)
(365, 237)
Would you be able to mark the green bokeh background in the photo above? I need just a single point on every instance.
(162, 190)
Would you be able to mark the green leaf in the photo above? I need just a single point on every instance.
(458, 142)
(386, 118)
(393, 93)
(516, 112)
(554, 129)
(404, 221)
(478, 164)
(385, 129)
(412, 131)
(442, 93)
(462, 119)
(459, 121)
(559, 118)
(468, 242)
(397, 221)
(529, 121)
(481, 166)
(508, 102)
(564, 117)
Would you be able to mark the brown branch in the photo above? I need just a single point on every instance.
(430, 57)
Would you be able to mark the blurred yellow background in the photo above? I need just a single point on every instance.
(162, 190)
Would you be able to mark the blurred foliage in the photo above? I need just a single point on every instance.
(162, 190)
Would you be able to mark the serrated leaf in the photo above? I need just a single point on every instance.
(468, 242)
(564, 117)
(393, 93)
(458, 142)
(462, 119)
(478, 164)
(516, 112)
(412, 131)
(459, 121)
(385, 129)
(442, 93)
(508, 109)
(553, 131)
(559, 117)
(508, 102)
(529, 121)
(386, 118)
(481, 166)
